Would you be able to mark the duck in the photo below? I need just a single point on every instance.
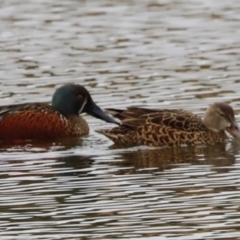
(172, 127)
(44, 121)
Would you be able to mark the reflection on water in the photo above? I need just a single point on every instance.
(168, 158)
(172, 54)
(123, 192)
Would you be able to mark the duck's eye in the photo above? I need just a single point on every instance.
(80, 96)
(221, 114)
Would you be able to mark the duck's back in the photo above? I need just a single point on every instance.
(38, 121)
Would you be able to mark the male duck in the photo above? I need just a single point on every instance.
(44, 121)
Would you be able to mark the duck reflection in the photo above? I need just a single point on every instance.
(155, 160)
(41, 145)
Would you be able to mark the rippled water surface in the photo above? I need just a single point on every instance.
(176, 54)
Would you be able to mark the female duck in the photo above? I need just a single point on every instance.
(166, 127)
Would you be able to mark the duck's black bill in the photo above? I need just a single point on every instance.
(97, 112)
(234, 131)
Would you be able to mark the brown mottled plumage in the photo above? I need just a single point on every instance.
(168, 127)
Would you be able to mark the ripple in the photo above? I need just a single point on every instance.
(156, 54)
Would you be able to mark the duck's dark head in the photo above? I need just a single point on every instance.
(74, 99)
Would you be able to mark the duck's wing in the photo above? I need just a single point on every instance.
(179, 119)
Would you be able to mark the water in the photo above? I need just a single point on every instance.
(175, 54)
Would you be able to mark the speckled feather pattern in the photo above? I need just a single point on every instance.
(164, 127)
(38, 120)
